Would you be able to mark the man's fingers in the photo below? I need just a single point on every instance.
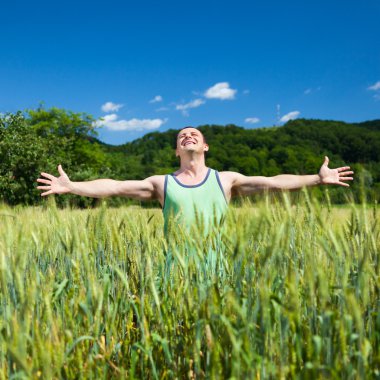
(46, 193)
(60, 170)
(47, 175)
(346, 173)
(48, 182)
(343, 184)
(346, 179)
(43, 187)
(342, 169)
(326, 161)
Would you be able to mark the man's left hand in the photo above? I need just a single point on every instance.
(334, 176)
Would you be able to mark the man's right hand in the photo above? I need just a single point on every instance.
(55, 185)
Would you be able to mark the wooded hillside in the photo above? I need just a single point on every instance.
(38, 140)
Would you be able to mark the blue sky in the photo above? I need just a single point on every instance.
(154, 65)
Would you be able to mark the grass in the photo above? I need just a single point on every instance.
(280, 292)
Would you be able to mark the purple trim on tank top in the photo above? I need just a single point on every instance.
(220, 185)
(165, 187)
(190, 186)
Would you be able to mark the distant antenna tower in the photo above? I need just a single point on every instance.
(278, 114)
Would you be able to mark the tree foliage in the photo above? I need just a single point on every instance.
(38, 140)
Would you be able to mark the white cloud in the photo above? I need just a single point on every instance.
(111, 107)
(162, 109)
(112, 123)
(156, 99)
(221, 91)
(193, 104)
(290, 116)
(309, 91)
(375, 87)
(246, 92)
(252, 120)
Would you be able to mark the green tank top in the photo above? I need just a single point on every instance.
(198, 206)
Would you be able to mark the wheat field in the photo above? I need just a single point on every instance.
(281, 291)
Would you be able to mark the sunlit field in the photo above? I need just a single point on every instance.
(281, 291)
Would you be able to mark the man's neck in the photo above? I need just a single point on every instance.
(193, 165)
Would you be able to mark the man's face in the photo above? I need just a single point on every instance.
(190, 139)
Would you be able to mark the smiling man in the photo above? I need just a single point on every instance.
(194, 191)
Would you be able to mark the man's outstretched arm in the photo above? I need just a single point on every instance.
(244, 185)
(143, 190)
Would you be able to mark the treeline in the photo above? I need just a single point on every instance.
(37, 140)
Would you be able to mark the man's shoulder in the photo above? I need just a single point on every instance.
(158, 181)
(228, 179)
(156, 178)
(227, 175)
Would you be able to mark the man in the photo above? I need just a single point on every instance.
(194, 190)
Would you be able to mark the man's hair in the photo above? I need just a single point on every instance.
(189, 126)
